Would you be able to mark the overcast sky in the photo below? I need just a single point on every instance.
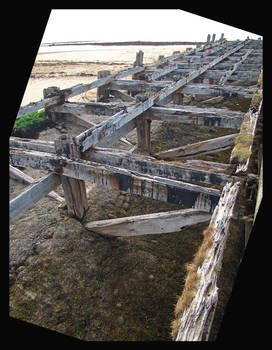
(124, 25)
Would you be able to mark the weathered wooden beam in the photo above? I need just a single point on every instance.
(199, 148)
(21, 176)
(157, 223)
(124, 97)
(31, 196)
(193, 320)
(102, 92)
(74, 189)
(93, 135)
(195, 171)
(143, 135)
(159, 188)
(31, 144)
(220, 117)
(228, 73)
(242, 150)
(197, 89)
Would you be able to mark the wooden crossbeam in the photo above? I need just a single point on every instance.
(31, 196)
(147, 165)
(94, 135)
(157, 223)
(193, 88)
(202, 171)
(199, 148)
(159, 188)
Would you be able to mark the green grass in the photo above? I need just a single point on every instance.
(29, 119)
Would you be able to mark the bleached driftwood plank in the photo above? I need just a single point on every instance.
(199, 148)
(157, 223)
(19, 175)
(31, 196)
(197, 317)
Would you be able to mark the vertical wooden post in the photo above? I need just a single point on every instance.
(74, 189)
(143, 127)
(177, 97)
(49, 92)
(213, 38)
(208, 38)
(138, 62)
(102, 91)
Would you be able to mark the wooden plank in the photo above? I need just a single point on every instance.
(195, 88)
(220, 117)
(199, 148)
(155, 187)
(31, 144)
(242, 150)
(95, 134)
(19, 175)
(31, 196)
(192, 320)
(157, 223)
(195, 171)
(228, 73)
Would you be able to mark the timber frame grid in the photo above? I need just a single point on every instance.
(88, 156)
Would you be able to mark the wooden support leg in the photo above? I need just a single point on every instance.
(74, 189)
(75, 196)
(102, 92)
(48, 92)
(143, 135)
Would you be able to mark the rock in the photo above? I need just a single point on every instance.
(125, 206)
(120, 320)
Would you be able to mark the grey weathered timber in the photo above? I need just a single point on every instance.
(198, 316)
(219, 117)
(31, 196)
(21, 176)
(244, 141)
(155, 187)
(227, 74)
(218, 74)
(195, 171)
(93, 135)
(32, 144)
(143, 134)
(199, 148)
(74, 189)
(157, 223)
(102, 92)
(193, 88)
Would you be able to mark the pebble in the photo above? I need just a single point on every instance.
(120, 320)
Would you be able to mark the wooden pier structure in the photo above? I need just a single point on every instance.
(218, 68)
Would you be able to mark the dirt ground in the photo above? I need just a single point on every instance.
(93, 287)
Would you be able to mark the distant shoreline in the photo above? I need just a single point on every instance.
(125, 43)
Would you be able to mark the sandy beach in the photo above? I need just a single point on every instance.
(68, 68)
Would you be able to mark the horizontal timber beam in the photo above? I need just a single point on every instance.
(157, 223)
(193, 88)
(155, 187)
(199, 148)
(147, 165)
